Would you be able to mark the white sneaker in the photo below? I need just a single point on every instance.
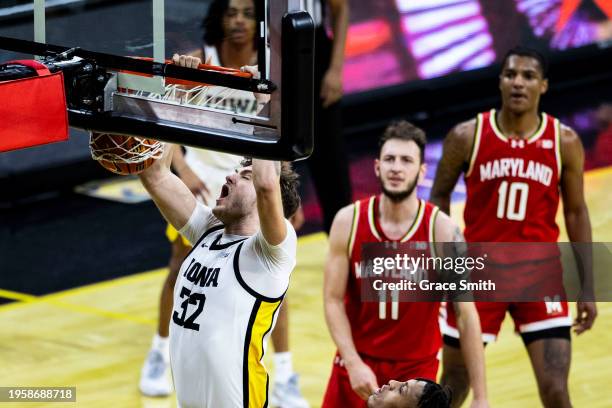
(287, 395)
(154, 377)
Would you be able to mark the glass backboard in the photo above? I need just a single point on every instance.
(202, 112)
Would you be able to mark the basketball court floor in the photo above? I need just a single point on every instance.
(95, 337)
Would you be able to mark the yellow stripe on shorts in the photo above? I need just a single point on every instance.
(257, 375)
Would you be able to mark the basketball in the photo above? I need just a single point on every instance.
(124, 154)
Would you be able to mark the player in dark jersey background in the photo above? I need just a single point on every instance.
(382, 341)
(517, 162)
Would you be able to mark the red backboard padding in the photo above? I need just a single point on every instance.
(33, 110)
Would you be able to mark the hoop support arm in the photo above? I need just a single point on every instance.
(143, 66)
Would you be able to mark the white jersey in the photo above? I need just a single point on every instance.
(203, 162)
(226, 301)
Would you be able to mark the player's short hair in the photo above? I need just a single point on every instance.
(213, 22)
(434, 395)
(521, 51)
(289, 183)
(404, 130)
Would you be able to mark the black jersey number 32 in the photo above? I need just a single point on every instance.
(197, 299)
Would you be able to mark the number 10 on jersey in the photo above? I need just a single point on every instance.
(509, 195)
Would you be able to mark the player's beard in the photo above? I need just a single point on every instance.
(398, 196)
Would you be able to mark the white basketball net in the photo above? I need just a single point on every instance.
(211, 97)
(129, 151)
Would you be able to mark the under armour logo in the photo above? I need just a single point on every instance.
(517, 143)
(420, 245)
(545, 144)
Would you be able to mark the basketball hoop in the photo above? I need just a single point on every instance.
(123, 154)
(189, 93)
(117, 95)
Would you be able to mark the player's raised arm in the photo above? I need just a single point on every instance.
(455, 159)
(362, 378)
(266, 179)
(577, 223)
(174, 200)
(468, 322)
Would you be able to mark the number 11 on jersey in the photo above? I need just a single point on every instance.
(382, 305)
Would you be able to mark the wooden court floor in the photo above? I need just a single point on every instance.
(96, 337)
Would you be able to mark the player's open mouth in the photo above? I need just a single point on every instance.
(517, 96)
(224, 191)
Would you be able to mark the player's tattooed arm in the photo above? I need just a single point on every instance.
(458, 247)
(578, 224)
(451, 244)
(455, 158)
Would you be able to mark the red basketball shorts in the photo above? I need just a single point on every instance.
(340, 394)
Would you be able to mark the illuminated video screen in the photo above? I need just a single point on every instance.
(397, 41)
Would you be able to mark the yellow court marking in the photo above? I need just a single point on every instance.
(81, 289)
(124, 190)
(24, 299)
(121, 281)
(310, 238)
(21, 297)
(599, 171)
(100, 312)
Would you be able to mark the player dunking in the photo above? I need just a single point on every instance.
(512, 207)
(229, 40)
(376, 347)
(231, 284)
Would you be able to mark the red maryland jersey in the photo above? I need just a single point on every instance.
(389, 330)
(513, 184)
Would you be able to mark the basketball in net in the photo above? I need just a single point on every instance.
(123, 154)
